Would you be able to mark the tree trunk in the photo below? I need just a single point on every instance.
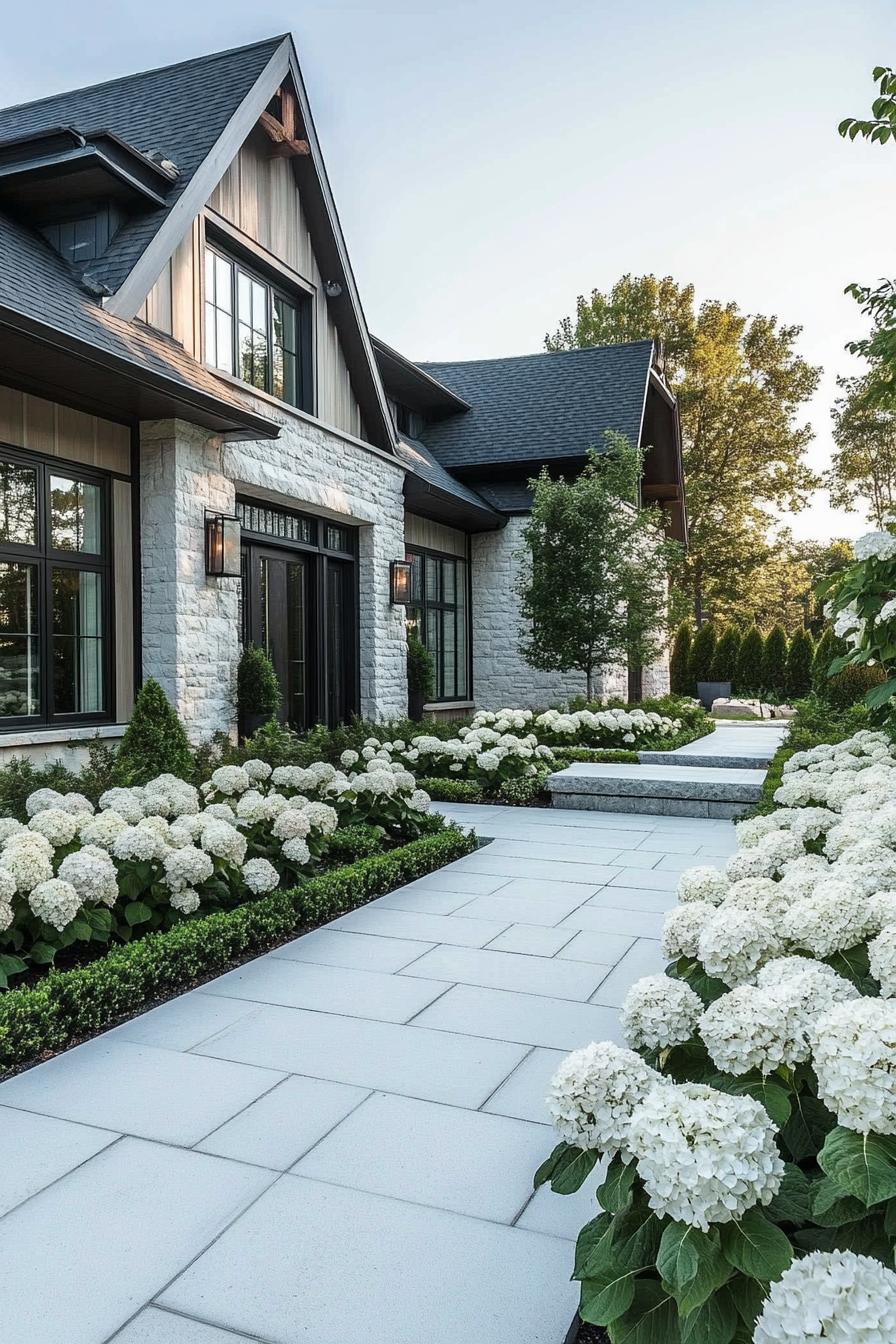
(589, 684)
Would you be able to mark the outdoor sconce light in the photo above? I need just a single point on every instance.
(400, 582)
(222, 546)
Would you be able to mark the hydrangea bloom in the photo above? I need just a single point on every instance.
(9, 826)
(223, 841)
(746, 1029)
(260, 876)
(102, 829)
(290, 824)
(758, 894)
(735, 943)
(55, 902)
(658, 1012)
(92, 874)
(185, 901)
(59, 827)
(27, 864)
(41, 799)
(702, 884)
(882, 957)
(138, 844)
(296, 851)
(854, 1057)
(77, 804)
(257, 770)
(322, 817)
(594, 1092)
(186, 867)
(127, 803)
(705, 1157)
(230, 779)
(836, 1296)
(833, 918)
(682, 928)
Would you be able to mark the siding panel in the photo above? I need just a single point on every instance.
(46, 427)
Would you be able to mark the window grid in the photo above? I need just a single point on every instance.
(437, 614)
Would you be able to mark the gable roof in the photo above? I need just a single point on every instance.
(430, 489)
(198, 113)
(535, 408)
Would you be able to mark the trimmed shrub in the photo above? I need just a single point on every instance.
(522, 792)
(155, 742)
(582, 755)
(257, 687)
(799, 665)
(71, 1004)
(749, 662)
(774, 661)
(453, 790)
(724, 662)
(421, 669)
(680, 661)
(702, 653)
(850, 686)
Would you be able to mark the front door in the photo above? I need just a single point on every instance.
(279, 619)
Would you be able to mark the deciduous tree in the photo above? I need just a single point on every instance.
(862, 475)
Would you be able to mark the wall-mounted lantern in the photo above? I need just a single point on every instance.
(222, 546)
(400, 582)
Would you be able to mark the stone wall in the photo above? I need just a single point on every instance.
(501, 676)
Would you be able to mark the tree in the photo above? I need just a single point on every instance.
(741, 386)
(749, 662)
(827, 649)
(862, 475)
(724, 663)
(774, 661)
(592, 586)
(155, 742)
(799, 665)
(679, 661)
(703, 652)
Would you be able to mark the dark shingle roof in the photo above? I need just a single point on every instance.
(529, 408)
(180, 109)
(418, 459)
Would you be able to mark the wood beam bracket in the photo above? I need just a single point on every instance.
(282, 134)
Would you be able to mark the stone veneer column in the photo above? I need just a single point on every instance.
(190, 621)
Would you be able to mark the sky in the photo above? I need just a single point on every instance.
(492, 160)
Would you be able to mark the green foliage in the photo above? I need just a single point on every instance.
(727, 650)
(827, 649)
(257, 687)
(862, 474)
(347, 844)
(680, 660)
(703, 651)
(851, 685)
(591, 590)
(155, 742)
(70, 1004)
(564, 756)
(527, 792)
(749, 662)
(800, 657)
(20, 777)
(421, 667)
(774, 662)
(453, 790)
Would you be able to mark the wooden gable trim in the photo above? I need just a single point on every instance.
(282, 133)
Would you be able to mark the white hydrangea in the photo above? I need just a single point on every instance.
(92, 873)
(260, 876)
(747, 1028)
(127, 803)
(682, 927)
(834, 917)
(348, 759)
(41, 799)
(59, 827)
(186, 901)
(809, 823)
(7, 886)
(869, 546)
(77, 804)
(419, 801)
(323, 818)
(9, 826)
(705, 1157)
(835, 1296)
(758, 894)
(296, 851)
(765, 859)
(702, 884)
(220, 811)
(735, 943)
(658, 1012)
(222, 840)
(138, 844)
(882, 957)
(257, 770)
(55, 902)
(594, 1092)
(27, 864)
(290, 824)
(103, 829)
(230, 780)
(186, 867)
(854, 1057)
(752, 830)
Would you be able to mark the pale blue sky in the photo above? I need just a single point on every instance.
(492, 160)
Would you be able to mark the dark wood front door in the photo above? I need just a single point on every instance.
(279, 611)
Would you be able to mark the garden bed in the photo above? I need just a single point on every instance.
(66, 1007)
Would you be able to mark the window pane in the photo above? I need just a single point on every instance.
(244, 298)
(77, 642)
(224, 359)
(74, 515)
(18, 504)
(449, 624)
(19, 647)
(285, 365)
(223, 281)
(284, 324)
(448, 581)
(433, 573)
(260, 309)
(463, 671)
(209, 277)
(433, 642)
(416, 576)
(211, 344)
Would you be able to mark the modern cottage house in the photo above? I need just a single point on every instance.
(201, 444)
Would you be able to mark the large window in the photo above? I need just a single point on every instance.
(256, 331)
(437, 613)
(54, 593)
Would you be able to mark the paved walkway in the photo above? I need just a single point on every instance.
(759, 739)
(336, 1142)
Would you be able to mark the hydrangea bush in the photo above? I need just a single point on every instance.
(862, 608)
(482, 754)
(750, 1126)
(151, 855)
(610, 727)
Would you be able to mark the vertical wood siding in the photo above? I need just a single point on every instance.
(46, 427)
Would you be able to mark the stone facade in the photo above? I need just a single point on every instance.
(501, 677)
(191, 622)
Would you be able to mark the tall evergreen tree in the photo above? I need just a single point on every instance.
(774, 661)
(679, 661)
(749, 662)
(702, 654)
(724, 663)
(799, 665)
(155, 741)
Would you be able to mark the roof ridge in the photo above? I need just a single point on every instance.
(534, 354)
(142, 74)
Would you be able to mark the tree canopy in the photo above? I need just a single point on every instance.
(741, 386)
(862, 475)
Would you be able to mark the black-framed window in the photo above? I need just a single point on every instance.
(55, 592)
(438, 613)
(257, 330)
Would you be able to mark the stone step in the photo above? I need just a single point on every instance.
(664, 789)
(678, 758)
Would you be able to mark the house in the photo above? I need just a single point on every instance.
(201, 444)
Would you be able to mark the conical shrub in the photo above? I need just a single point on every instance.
(679, 661)
(155, 742)
(749, 662)
(774, 662)
(724, 663)
(799, 665)
(702, 653)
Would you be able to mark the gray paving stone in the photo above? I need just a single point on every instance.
(652, 879)
(461, 931)
(679, 863)
(327, 989)
(138, 1089)
(283, 1124)
(524, 1092)
(183, 1022)
(586, 946)
(541, 888)
(88, 1252)
(452, 879)
(667, 842)
(638, 858)
(646, 807)
(353, 951)
(613, 919)
(485, 862)
(155, 1326)
(557, 851)
(442, 1156)
(510, 970)
(658, 782)
(563, 1215)
(644, 958)
(506, 910)
(435, 1066)
(597, 830)
(39, 1149)
(424, 902)
(526, 1018)
(531, 939)
(336, 1266)
(655, 902)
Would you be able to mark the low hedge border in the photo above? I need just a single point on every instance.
(44, 1018)
(528, 792)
